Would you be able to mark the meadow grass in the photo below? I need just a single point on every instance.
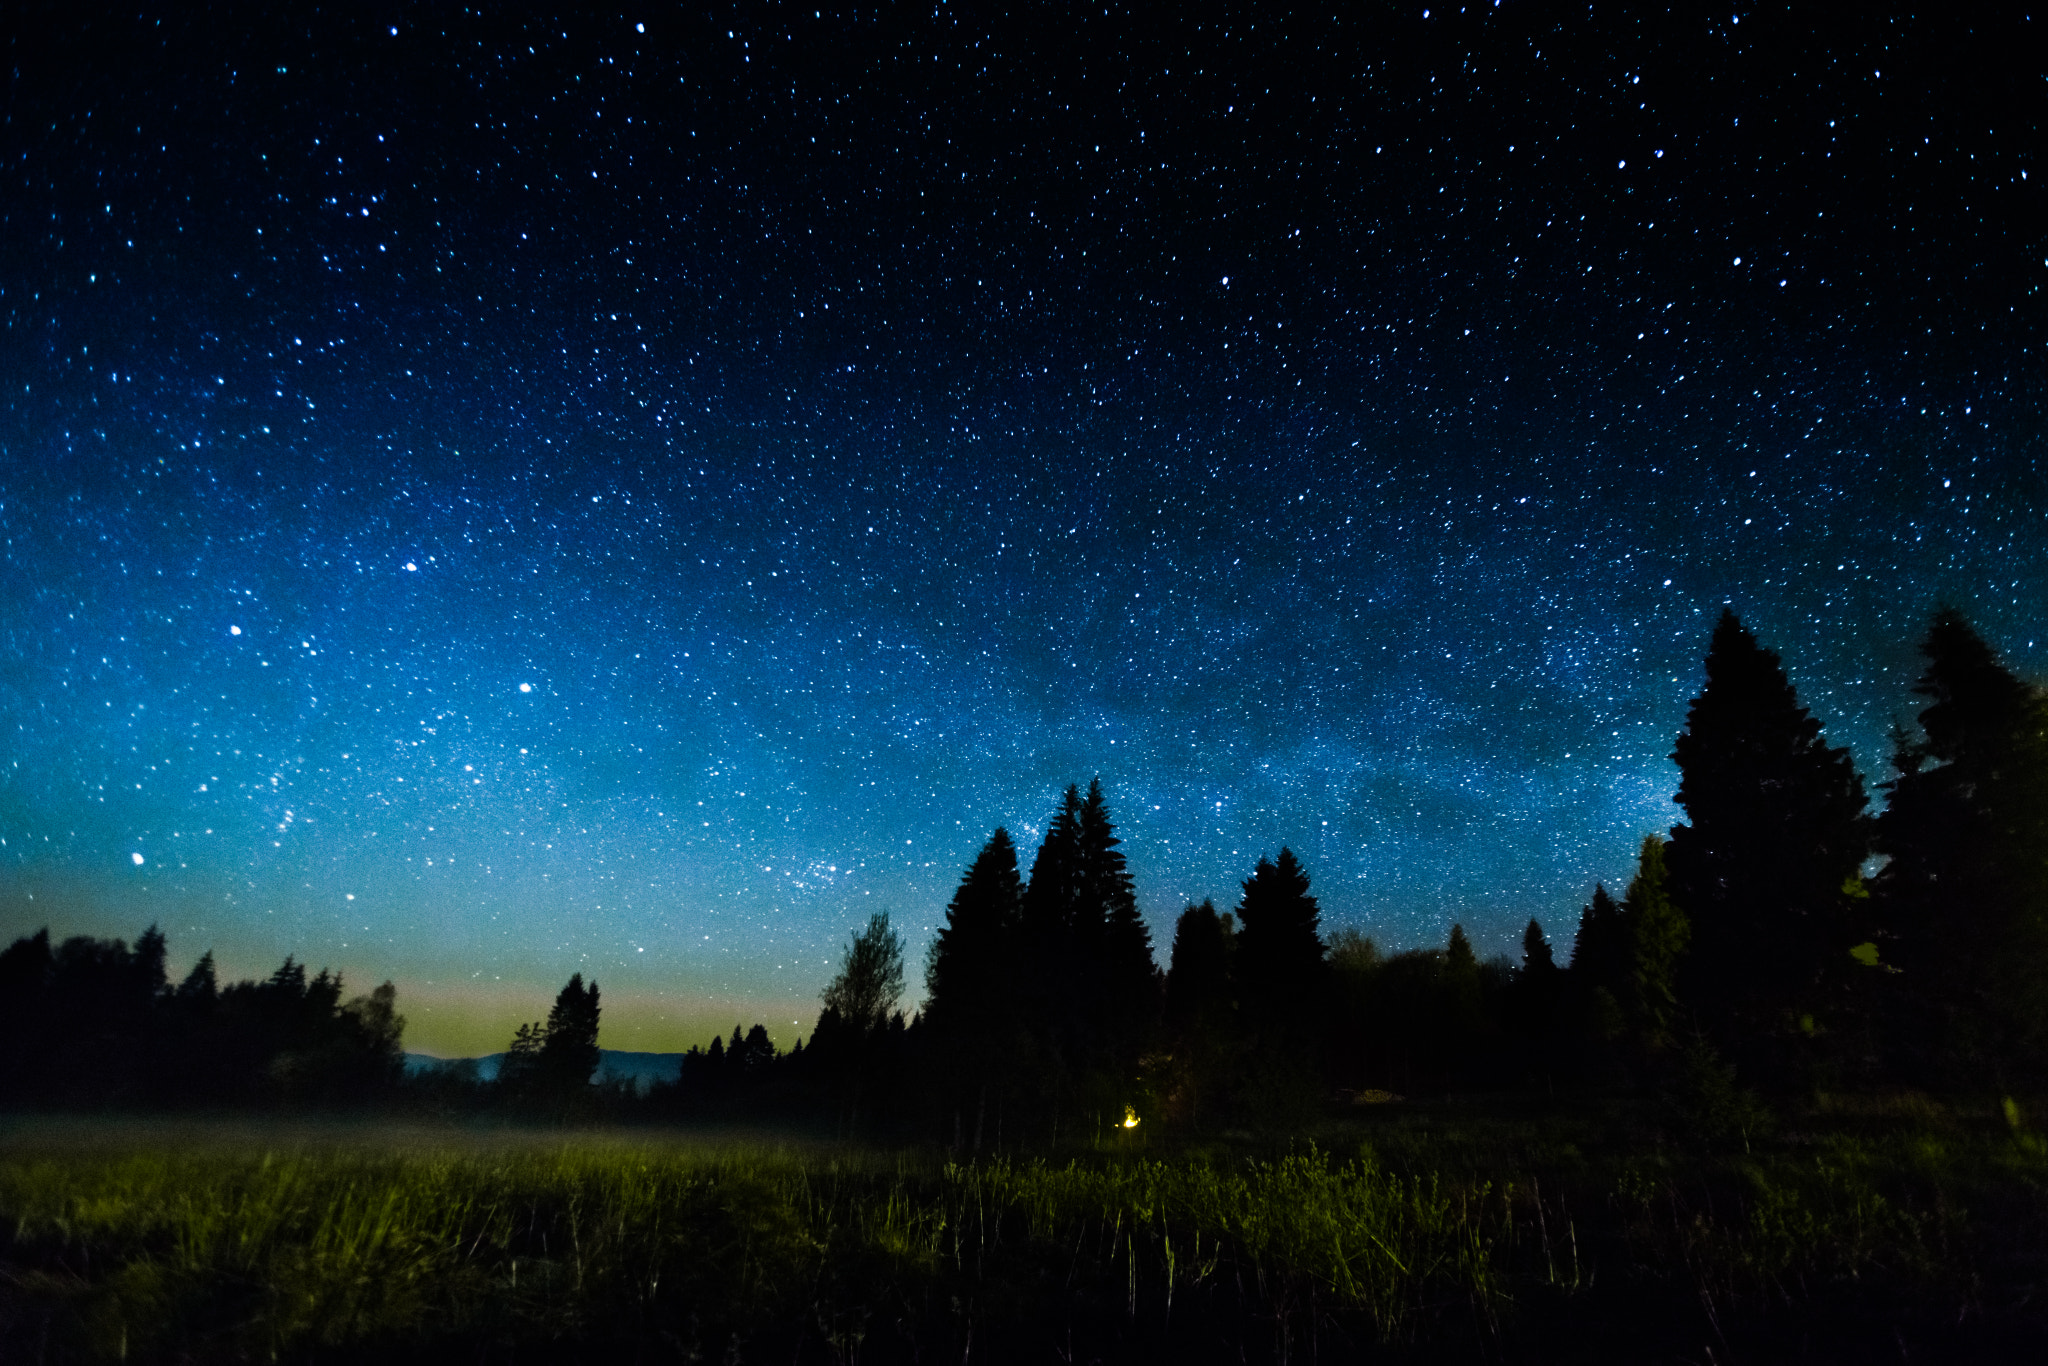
(1439, 1233)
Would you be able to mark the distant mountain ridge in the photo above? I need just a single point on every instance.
(642, 1069)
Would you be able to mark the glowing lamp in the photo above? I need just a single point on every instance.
(1130, 1118)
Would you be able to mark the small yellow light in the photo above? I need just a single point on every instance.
(1130, 1118)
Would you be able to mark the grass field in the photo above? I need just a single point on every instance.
(1441, 1232)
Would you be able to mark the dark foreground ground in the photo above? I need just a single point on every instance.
(1872, 1228)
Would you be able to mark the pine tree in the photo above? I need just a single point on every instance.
(1125, 980)
(1047, 930)
(1964, 894)
(1279, 959)
(1055, 1003)
(1464, 1020)
(1600, 948)
(567, 1055)
(1776, 827)
(970, 975)
(1537, 998)
(1658, 934)
(201, 988)
(972, 987)
(1200, 1008)
(1599, 968)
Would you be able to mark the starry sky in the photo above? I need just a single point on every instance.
(489, 497)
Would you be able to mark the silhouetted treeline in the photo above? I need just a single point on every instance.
(1782, 935)
(92, 1022)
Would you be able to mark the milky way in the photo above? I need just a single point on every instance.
(488, 499)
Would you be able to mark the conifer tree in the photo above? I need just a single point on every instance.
(1600, 948)
(201, 987)
(1279, 958)
(1776, 828)
(1055, 991)
(1464, 1021)
(1599, 968)
(1964, 894)
(1125, 980)
(1050, 908)
(1200, 1008)
(1658, 934)
(1538, 993)
(553, 1062)
(1198, 983)
(972, 986)
(970, 975)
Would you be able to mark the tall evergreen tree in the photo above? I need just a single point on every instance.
(1200, 1009)
(971, 973)
(1776, 828)
(1279, 959)
(1464, 1018)
(1599, 968)
(1055, 995)
(1053, 896)
(1125, 980)
(569, 1056)
(1600, 948)
(1535, 1007)
(972, 982)
(1964, 894)
(1658, 934)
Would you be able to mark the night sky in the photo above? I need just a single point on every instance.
(487, 499)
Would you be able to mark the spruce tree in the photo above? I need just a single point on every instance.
(1964, 894)
(1600, 948)
(1776, 828)
(1200, 1007)
(972, 986)
(1055, 999)
(1464, 1020)
(569, 1054)
(1124, 979)
(1279, 959)
(970, 975)
(1599, 968)
(1658, 934)
(1053, 896)
(1538, 995)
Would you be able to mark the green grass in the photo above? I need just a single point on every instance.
(1438, 1232)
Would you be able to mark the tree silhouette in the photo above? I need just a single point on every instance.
(1599, 968)
(1537, 1001)
(1964, 893)
(971, 984)
(1776, 827)
(1125, 981)
(971, 970)
(852, 1044)
(1658, 934)
(569, 1054)
(1280, 971)
(551, 1064)
(1279, 959)
(1201, 1007)
(870, 977)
